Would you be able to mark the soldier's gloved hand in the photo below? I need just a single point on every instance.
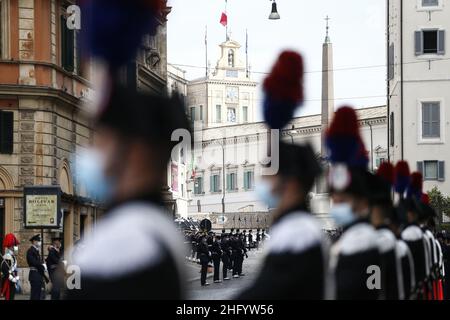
(45, 266)
(12, 279)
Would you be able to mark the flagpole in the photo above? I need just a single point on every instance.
(246, 54)
(226, 27)
(206, 50)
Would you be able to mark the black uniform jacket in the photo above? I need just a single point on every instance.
(350, 258)
(391, 268)
(414, 238)
(37, 271)
(134, 253)
(294, 267)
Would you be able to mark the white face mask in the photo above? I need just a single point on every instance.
(342, 214)
(38, 243)
(90, 167)
(264, 191)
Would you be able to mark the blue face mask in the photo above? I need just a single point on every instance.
(264, 192)
(342, 214)
(90, 167)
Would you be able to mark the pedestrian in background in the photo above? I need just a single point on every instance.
(8, 268)
(55, 267)
(37, 268)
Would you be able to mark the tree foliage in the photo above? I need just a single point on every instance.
(440, 202)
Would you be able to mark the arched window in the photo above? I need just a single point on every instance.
(231, 58)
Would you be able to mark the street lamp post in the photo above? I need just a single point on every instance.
(371, 145)
(223, 175)
(291, 133)
(274, 15)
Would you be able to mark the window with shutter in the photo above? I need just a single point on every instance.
(198, 185)
(6, 132)
(391, 62)
(420, 167)
(418, 43)
(391, 129)
(441, 42)
(218, 113)
(245, 114)
(430, 169)
(430, 3)
(431, 120)
(192, 114)
(246, 181)
(67, 46)
(215, 182)
(430, 41)
(441, 171)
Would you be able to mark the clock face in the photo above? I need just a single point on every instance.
(232, 93)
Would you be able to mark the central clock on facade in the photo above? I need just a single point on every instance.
(232, 93)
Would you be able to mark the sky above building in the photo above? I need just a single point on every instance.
(357, 31)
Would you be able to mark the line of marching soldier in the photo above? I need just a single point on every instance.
(230, 249)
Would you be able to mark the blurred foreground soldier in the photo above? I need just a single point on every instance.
(413, 235)
(37, 268)
(10, 278)
(55, 267)
(382, 216)
(357, 248)
(135, 246)
(426, 218)
(445, 244)
(294, 267)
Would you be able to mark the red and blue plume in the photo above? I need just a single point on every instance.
(10, 240)
(112, 30)
(283, 90)
(415, 186)
(361, 159)
(342, 138)
(402, 177)
(387, 172)
(425, 199)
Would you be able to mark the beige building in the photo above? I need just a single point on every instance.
(419, 87)
(43, 82)
(227, 95)
(227, 161)
(177, 171)
(239, 150)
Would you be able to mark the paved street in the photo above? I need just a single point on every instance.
(215, 291)
(227, 289)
